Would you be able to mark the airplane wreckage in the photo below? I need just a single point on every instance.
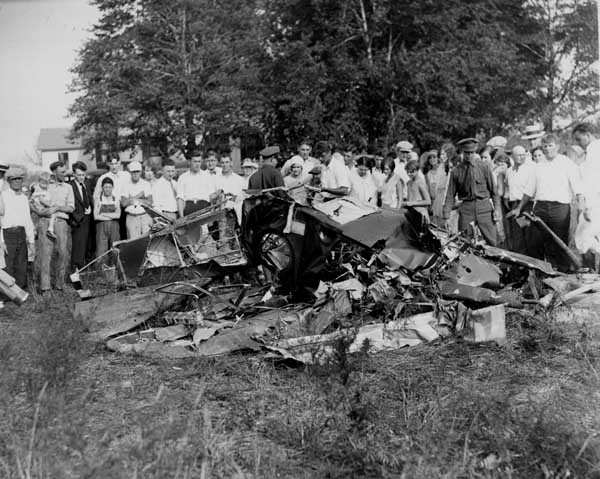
(339, 272)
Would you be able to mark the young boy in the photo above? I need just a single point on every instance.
(107, 211)
(417, 192)
(41, 199)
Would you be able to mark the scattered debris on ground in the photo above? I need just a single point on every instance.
(340, 274)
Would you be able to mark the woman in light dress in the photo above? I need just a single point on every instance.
(390, 186)
(437, 182)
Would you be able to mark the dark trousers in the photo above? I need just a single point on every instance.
(192, 206)
(16, 254)
(558, 218)
(516, 237)
(479, 212)
(80, 235)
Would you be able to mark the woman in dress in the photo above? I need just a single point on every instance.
(391, 187)
(436, 182)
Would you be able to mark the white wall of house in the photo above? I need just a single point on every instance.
(50, 156)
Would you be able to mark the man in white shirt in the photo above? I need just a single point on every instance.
(363, 186)
(164, 191)
(116, 174)
(590, 174)
(335, 177)
(517, 178)
(214, 173)
(555, 182)
(134, 195)
(230, 183)
(193, 192)
(17, 227)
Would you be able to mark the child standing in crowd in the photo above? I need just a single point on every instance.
(417, 193)
(40, 198)
(107, 211)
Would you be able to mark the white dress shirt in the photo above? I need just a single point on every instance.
(555, 180)
(335, 175)
(164, 195)
(517, 180)
(231, 184)
(131, 189)
(194, 186)
(364, 189)
(17, 212)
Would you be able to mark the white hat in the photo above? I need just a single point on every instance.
(533, 131)
(134, 166)
(497, 142)
(404, 146)
(248, 163)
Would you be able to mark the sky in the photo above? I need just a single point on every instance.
(39, 40)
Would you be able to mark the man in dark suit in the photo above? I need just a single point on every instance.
(81, 216)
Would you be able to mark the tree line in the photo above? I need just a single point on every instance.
(170, 74)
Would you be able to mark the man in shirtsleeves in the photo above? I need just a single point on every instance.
(472, 182)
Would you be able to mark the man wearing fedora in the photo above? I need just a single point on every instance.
(472, 182)
(17, 226)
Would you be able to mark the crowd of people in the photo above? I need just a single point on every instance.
(475, 188)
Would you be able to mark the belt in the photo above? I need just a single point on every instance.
(165, 211)
(194, 201)
(14, 229)
(475, 199)
(136, 214)
(551, 202)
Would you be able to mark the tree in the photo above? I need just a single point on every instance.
(166, 73)
(565, 39)
(381, 69)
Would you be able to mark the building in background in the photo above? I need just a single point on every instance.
(54, 144)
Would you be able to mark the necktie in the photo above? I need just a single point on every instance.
(469, 190)
(86, 201)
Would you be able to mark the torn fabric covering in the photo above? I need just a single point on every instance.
(522, 260)
(344, 210)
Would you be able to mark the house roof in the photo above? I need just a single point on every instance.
(57, 139)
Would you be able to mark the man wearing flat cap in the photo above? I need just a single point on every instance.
(17, 227)
(472, 182)
(267, 176)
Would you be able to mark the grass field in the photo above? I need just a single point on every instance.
(71, 409)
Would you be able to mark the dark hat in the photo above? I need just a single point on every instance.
(269, 151)
(3, 167)
(315, 171)
(468, 145)
(107, 180)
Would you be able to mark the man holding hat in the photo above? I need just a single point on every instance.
(267, 176)
(473, 183)
(136, 193)
(17, 227)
